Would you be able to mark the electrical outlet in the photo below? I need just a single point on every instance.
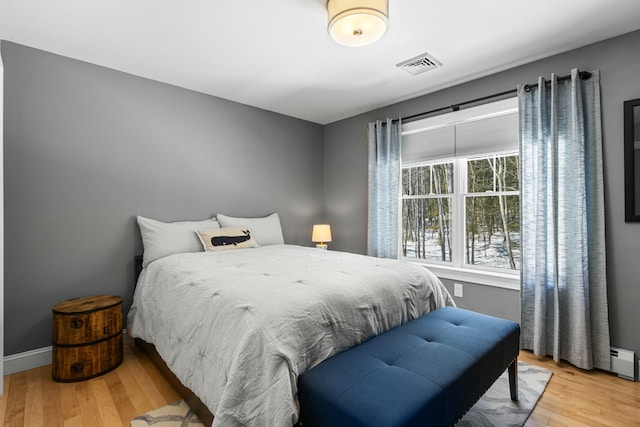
(457, 290)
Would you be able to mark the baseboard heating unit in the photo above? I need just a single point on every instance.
(622, 363)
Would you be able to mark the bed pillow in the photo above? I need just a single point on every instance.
(266, 231)
(161, 239)
(222, 239)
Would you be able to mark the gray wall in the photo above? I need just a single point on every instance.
(618, 60)
(88, 148)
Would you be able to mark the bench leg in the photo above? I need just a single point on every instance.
(513, 379)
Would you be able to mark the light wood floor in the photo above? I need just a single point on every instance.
(573, 397)
(32, 399)
(577, 398)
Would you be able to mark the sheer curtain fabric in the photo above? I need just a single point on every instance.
(564, 286)
(384, 188)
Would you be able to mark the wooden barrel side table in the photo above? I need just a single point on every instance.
(87, 337)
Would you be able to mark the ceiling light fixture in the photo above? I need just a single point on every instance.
(357, 22)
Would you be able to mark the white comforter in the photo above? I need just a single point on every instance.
(238, 327)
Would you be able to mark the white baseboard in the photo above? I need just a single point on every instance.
(27, 360)
(33, 359)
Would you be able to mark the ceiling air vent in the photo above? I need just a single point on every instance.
(419, 64)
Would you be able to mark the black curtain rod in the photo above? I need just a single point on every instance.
(584, 75)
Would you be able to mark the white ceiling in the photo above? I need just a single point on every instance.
(277, 54)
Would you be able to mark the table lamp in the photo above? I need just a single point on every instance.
(321, 234)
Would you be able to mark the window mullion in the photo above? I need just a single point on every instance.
(458, 211)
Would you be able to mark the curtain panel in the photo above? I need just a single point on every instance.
(384, 188)
(564, 305)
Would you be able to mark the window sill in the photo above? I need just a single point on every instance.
(481, 277)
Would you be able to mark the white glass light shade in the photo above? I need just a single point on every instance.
(321, 233)
(357, 22)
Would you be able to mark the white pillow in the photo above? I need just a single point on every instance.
(266, 231)
(222, 239)
(161, 239)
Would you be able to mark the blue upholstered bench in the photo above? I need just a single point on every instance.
(427, 372)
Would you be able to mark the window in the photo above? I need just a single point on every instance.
(460, 200)
(492, 212)
(427, 193)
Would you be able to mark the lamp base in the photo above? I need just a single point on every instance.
(321, 246)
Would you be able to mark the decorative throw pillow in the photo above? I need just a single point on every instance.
(221, 239)
(266, 231)
(161, 239)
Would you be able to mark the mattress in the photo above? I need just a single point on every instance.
(237, 327)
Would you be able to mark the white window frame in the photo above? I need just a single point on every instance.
(457, 269)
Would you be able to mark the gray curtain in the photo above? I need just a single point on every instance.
(384, 188)
(564, 284)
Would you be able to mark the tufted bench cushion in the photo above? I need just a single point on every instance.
(427, 372)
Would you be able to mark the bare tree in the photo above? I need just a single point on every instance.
(498, 165)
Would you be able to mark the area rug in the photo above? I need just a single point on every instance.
(495, 408)
(176, 414)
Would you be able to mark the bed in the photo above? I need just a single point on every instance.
(237, 327)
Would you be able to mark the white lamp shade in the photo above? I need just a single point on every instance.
(357, 22)
(321, 233)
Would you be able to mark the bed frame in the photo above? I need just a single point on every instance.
(192, 400)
